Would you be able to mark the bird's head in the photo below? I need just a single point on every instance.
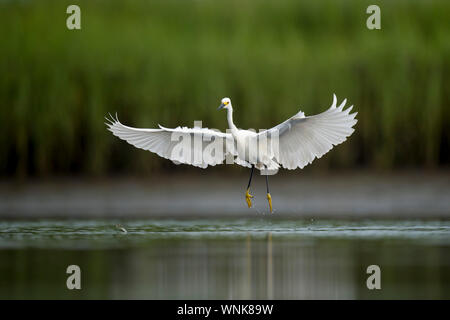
(225, 104)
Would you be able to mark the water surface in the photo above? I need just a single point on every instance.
(260, 258)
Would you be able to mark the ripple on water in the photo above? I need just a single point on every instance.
(101, 233)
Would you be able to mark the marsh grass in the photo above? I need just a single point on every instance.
(170, 62)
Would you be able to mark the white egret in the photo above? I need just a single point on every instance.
(292, 144)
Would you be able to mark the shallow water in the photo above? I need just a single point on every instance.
(260, 258)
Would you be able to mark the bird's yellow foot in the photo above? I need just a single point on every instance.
(248, 198)
(269, 198)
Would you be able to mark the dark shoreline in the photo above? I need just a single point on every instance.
(342, 195)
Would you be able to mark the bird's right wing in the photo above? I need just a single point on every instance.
(199, 147)
(302, 139)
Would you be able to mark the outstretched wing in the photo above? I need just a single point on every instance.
(302, 139)
(199, 147)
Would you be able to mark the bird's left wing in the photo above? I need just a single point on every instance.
(302, 139)
(199, 147)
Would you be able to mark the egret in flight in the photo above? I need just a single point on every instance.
(292, 144)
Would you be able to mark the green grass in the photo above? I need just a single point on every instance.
(170, 62)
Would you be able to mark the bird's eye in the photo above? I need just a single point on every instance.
(225, 103)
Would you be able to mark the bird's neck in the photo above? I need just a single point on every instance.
(230, 119)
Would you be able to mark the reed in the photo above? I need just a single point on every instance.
(170, 62)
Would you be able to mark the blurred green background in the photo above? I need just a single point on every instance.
(170, 62)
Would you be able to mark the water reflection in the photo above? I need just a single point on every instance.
(232, 262)
(269, 267)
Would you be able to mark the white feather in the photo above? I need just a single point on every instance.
(302, 139)
(162, 141)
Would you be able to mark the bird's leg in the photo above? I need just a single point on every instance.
(248, 196)
(269, 197)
